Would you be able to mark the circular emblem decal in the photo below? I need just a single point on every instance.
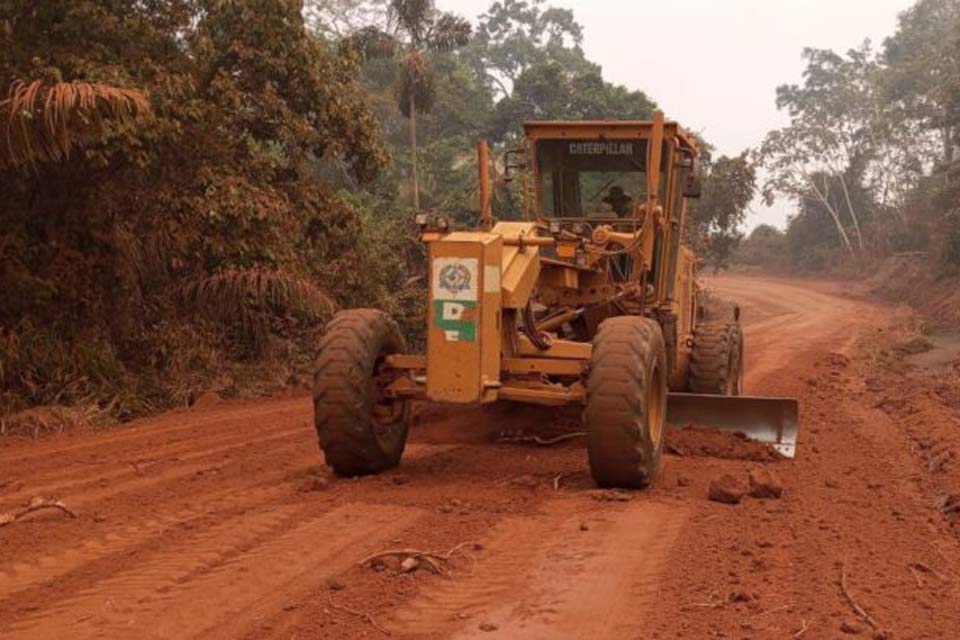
(454, 278)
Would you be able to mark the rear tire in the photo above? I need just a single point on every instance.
(359, 429)
(716, 360)
(626, 402)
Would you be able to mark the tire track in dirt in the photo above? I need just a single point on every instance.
(265, 489)
(224, 580)
(784, 322)
(576, 571)
(64, 485)
(188, 426)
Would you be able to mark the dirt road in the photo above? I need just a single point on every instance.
(223, 523)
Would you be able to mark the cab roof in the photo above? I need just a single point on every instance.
(606, 129)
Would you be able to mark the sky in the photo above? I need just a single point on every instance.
(714, 65)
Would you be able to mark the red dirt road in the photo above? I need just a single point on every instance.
(223, 523)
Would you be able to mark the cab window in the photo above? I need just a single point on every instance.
(603, 179)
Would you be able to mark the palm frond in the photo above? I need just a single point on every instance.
(449, 32)
(416, 78)
(236, 293)
(373, 43)
(44, 123)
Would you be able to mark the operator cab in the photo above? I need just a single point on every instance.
(602, 181)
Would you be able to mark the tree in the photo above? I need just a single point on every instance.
(417, 30)
(833, 126)
(764, 248)
(338, 19)
(549, 90)
(922, 75)
(515, 35)
(208, 189)
(713, 222)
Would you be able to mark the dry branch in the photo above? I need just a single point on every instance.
(35, 505)
(857, 609)
(803, 629)
(537, 440)
(916, 575)
(774, 610)
(922, 568)
(363, 615)
(434, 559)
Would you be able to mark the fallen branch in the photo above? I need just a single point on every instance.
(916, 575)
(558, 479)
(803, 629)
(433, 559)
(922, 568)
(35, 505)
(537, 440)
(363, 615)
(713, 603)
(857, 609)
(774, 610)
(476, 546)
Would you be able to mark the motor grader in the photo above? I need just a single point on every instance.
(590, 300)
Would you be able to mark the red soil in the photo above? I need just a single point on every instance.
(223, 523)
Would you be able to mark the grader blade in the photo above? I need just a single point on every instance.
(769, 420)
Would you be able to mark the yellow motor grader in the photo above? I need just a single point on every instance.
(590, 301)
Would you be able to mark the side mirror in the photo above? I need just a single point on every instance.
(693, 179)
(514, 160)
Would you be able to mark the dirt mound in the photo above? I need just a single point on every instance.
(703, 441)
(728, 489)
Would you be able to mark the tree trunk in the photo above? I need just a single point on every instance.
(823, 199)
(413, 152)
(853, 214)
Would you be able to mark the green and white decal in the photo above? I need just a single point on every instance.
(455, 298)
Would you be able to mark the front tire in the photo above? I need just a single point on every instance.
(626, 402)
(361, 431)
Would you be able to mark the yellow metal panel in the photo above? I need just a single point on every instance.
(454, 319)
(549, 396)
(521, 268)
(491, 310)
(559, 349)
(559, 278)
(544, 365)
(404, 361)
(567, 249)
(463, 339)
(520, 265)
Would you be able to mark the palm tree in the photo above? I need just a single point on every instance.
(43, 123)
(415, 30)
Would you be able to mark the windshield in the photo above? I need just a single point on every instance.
(603, 179)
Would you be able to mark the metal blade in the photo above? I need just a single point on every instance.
(770, 420)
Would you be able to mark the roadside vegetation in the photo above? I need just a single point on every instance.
(870, 157)
(188, 189)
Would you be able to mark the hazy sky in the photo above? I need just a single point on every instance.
(713, 65)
